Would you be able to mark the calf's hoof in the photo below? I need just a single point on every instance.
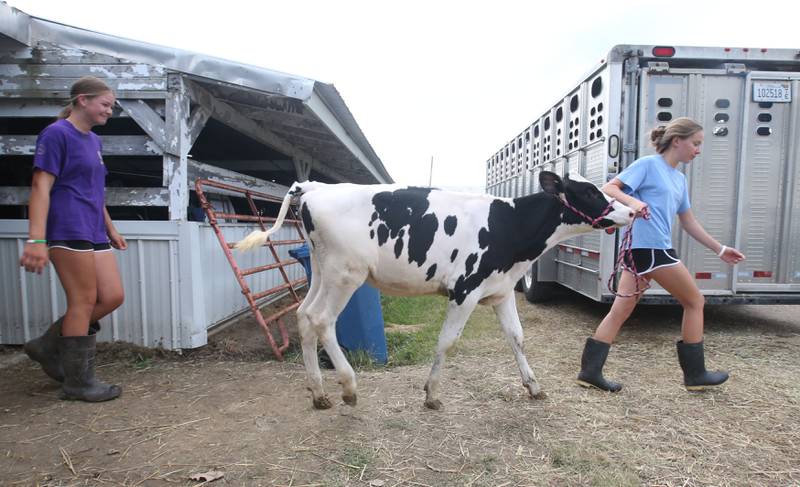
(350, 400)
(322, 402)
(539, 395)
(435, 404)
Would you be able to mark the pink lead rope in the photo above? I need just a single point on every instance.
(625, 258)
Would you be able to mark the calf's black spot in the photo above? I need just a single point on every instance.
(383, 234)
(514, 233)
(305, 215)
(405, 209)
(453, 255)
(431, 272)
(450, 225)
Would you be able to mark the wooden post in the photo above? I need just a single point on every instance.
(177, 146)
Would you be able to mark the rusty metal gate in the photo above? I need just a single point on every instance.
(253, 298)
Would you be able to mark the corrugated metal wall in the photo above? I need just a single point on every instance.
(177, 283)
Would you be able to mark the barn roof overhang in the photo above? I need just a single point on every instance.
(307, 114)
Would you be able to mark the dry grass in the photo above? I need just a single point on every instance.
(253, 420)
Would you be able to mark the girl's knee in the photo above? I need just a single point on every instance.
(111, 301)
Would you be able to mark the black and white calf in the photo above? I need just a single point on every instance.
(412, 241)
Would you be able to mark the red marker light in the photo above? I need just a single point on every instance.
(762, 274)
(702, 275)
(663, 51)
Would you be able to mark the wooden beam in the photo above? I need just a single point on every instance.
(197, 121)
(176, 148)
(19, 195)
(199, 170)
(114, 72)
(64, 94)
(231, 117)
(37, 107)
(113, 145)
(22, 85)
(147, 119)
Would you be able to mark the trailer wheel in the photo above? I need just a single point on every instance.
(534, 290)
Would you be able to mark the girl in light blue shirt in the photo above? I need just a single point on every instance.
(654, 188)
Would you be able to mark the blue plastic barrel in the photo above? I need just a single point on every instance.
(360, 325)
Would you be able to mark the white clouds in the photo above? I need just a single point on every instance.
(453, 80)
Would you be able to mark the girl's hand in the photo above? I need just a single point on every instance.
(640, 208)
(731, 256)
(117, 240)
(34, 257)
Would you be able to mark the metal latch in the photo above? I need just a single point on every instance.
(657, 67)
(735, 68)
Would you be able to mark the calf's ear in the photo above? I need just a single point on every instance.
(551, 183)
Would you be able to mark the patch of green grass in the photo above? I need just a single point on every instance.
(595, 467)
(141, 363)
(427, 313)
(358, 456)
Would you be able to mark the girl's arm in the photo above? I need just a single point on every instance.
(697, 232)
(34, 255)
(613, 189)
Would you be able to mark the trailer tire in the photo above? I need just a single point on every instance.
(536, 291)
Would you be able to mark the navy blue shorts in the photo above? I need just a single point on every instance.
(79, 245)
(648, 260)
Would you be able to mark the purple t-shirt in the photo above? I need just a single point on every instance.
(77, 198)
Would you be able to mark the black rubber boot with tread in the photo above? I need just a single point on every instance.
(78, 361)
(45, 349)
(592, 361)
(695, 376)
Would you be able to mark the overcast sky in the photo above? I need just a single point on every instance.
(452, 80)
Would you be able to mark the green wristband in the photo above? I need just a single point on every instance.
(31, 240)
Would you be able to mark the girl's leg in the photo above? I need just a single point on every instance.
(678, 281)
(109, 285)
(621, 309)
(76, 271)
(596, 349)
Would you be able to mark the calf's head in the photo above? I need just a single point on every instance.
(585, 205)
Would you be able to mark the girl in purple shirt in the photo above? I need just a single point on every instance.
(70, 226)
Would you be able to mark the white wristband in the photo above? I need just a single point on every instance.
(722, 250)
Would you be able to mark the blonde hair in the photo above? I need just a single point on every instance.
(682, 128)
(88, 86)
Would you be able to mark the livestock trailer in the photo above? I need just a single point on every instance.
(744, 187)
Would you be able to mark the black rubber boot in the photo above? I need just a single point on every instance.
(592, 362)
(45, 349)
(77, 358)
(695, 375)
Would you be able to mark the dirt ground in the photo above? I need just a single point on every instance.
(230, 408)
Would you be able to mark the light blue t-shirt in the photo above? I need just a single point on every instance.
(652, 180)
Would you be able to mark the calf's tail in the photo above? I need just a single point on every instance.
(258, 237)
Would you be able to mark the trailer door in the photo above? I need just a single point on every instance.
(769, 207)
(714, 99)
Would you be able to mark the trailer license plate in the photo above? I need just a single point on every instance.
(773, 91)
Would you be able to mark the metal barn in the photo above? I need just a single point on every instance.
(181, 116)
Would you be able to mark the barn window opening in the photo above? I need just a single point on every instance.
(573, 104)
(664, 116)
(665, 102)
(764, 117)
(764, 131)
